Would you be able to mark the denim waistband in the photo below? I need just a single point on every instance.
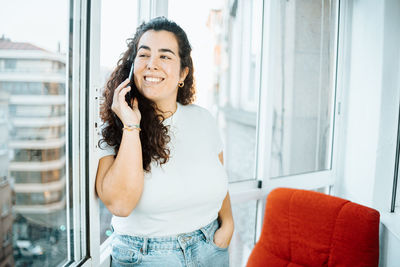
(177, 242)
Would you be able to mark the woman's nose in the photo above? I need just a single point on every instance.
(152, 63)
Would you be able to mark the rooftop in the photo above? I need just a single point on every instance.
(7, 44)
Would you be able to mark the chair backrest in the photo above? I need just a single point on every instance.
(307, 228)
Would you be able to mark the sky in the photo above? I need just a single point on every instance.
(43, 23)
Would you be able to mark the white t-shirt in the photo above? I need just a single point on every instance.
(187, 192)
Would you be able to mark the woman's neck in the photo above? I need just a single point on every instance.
(167, 110)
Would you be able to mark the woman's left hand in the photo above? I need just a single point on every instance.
(223, 236)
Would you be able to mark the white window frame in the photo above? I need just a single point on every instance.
(382, 190)
(382, 200)
(92, 93)
(77, 130)
(148, 9)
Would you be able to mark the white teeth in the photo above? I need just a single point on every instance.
(152, 79)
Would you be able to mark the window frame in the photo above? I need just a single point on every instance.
(306, 180)
(380, 199)
(79, 211)
(391, 219)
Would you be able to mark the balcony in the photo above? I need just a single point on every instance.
(38, 144)
(37, 166)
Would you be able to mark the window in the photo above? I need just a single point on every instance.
(10, 64)
(238, 86)
(41, 155)
(304, 88)
(55, 131)
(35, 88)
(33, 120)
(42, 198)
(37, 110)
(22, 177)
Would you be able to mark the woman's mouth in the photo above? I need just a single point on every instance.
(153, 79)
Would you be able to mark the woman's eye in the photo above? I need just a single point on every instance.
(164, 57)
(142, 55)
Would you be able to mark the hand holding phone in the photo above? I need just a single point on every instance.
(125, 112)
(132, 114)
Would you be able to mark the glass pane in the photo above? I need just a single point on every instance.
(32, 132)
(240, 87)
(226, 41)
(121, 15)
(211, 27)
(244, 215)
(302, 80)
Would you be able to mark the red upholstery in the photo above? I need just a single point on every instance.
(306, 228)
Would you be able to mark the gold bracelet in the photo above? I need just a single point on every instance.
(131, 127)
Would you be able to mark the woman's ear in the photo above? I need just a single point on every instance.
(184, 73)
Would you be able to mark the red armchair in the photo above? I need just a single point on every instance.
(306, 228)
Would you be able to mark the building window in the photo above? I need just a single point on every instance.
(33, 88)
(38, 133)
(37, 111)
(22, 155)
(42, 198)
(23, 177)
(10, 64)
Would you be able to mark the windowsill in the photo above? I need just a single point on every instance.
(105, 252)
(240, 116)
(391, 222)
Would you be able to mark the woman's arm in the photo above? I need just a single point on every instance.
(119, 182)
(223, 235)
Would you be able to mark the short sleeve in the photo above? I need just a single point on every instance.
(104, 149)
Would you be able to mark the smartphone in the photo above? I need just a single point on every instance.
(133, 92)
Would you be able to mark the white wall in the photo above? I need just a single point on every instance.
(371, 106)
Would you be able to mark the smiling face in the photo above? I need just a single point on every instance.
(157, 69)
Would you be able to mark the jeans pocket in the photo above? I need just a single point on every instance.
(123, 255)
(218, 248)
(214, 245)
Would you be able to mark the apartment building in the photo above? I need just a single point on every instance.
(6, 254)
(34, 80)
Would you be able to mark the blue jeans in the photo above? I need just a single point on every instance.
(195, 249)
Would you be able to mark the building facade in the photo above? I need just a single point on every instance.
(6, 253)
(34, 80)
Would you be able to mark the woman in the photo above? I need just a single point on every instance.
(166, 186)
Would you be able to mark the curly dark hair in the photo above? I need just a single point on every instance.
(154, 135)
